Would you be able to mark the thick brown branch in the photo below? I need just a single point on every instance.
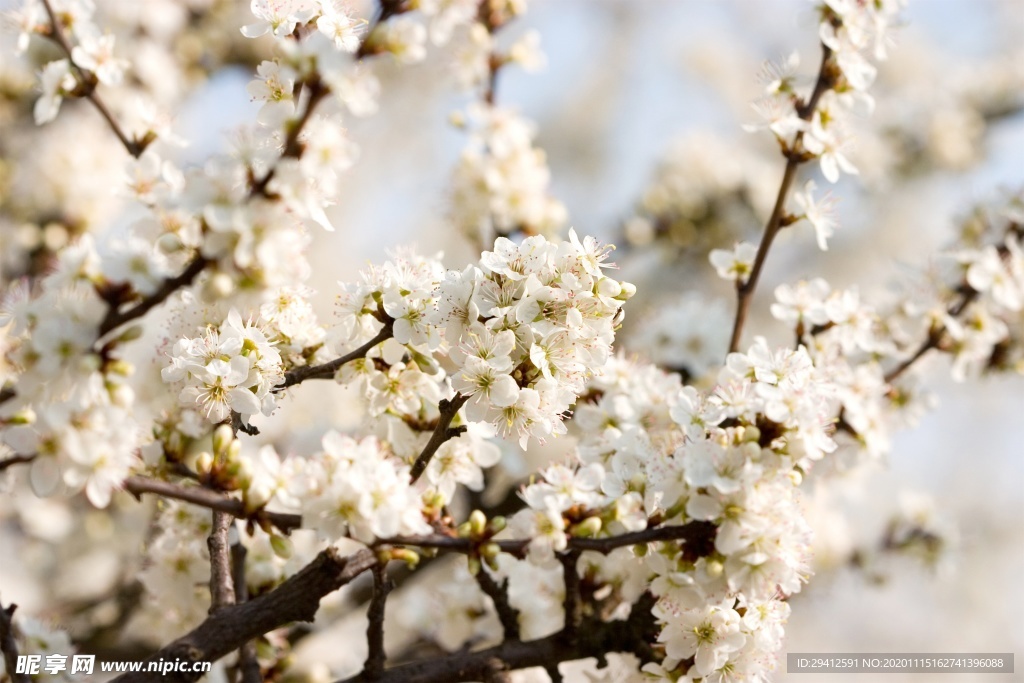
(9, 645)
(297, 599)
(374, 666)
(248, 665)
(443, 432)
(329, 369)
(745, 290)
(596, 638)
(498, 593)
(222, 589)
(87, 81)
(697, 535)
(115, 318)
(571, 604)
(206, 498)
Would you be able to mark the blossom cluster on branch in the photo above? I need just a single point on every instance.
(663, 531)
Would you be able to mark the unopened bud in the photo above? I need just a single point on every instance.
(121, 367)
(496, 524)
(795, 477)
(714, 568)
(282, 546)
(490, 551)
(223, 437)
(591, 526)
(464, 530)
(628, 289)
(204, 463)
(22, 417)
(410, 557)
(131, 334)
(168, 243)
(477, 522)
(474, 564)
(752, 434)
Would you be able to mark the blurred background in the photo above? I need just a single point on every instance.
(639, 111)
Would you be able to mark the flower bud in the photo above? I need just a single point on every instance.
(477, 523)
(410, 557)
(474, 564)
(490, 550)
(496, 525)
(795, 477)
(223, 436)
(282, 546)
(131, 334)
(204, 463)
(589, 527)
(714, 568)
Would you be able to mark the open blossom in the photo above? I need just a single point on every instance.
(232, 367)
(819, 213)
(278, 16)
(336, 23)
(96, 54)
(56, 82)
(735, 265)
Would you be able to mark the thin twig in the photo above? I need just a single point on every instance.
(16, 460)
(794, 157)
(87, 81)
(444, 431)
(197, 495)
(9, 645)
(329, 369)
(374, 666)
(115, 319)
(222, 589)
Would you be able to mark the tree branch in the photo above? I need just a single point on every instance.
(443, 432)
(329, 369)
(374, 666)
(248, 665)
(745, 290)
(498, 593)
(571, 604)
(596, 639)
(213, 500)
(222, 589)
(16, 460)
(297, 599)
(88, 81)
(115, 319)
(9, 645)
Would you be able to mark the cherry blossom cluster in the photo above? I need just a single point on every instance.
(501, 182)
(74, 406)
(229, 368)
(525, 330)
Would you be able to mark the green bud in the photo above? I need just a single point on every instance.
(410, 557)
(204, 463)
(130, 334)
(222, 438)
(477, 522)
(474, 564)
(490, 550)
(496, 525)
(282, 546)
(589, 527)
